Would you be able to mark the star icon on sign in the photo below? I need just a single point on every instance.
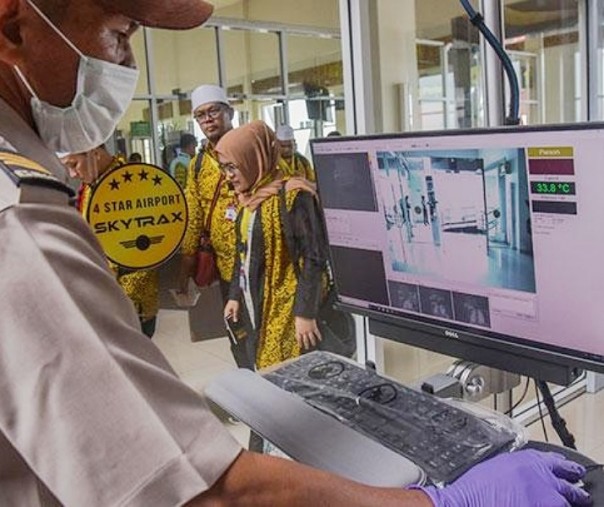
(157, 180)
(128, 176)
(143, 175)
(114, 184)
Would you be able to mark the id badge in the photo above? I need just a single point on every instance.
(231, 213)
(242, 279)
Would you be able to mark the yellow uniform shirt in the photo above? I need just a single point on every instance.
(142, 287)
(199, 193)
(298, 165)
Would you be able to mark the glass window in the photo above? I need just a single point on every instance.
(307, 128)
(268, 110)
(183, 60)
(134, 132)
(248, 59)
(436, 86)
(252, 63)
(174, 117)
(314, 117)
(597, 59)
(450, 90)
(316, 85)
(319, 13)
(543, 42)
(426, 69)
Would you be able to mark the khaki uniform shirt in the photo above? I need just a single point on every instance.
(91, 414)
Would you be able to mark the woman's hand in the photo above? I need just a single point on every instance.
(307, 333)
(231, 310)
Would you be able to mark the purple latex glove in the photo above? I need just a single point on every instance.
(518, 479)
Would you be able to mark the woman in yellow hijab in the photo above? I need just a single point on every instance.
(280, 244)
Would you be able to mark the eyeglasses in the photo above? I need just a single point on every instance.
(228, 168)
(210, 114)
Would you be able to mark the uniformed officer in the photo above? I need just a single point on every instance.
(91, 414)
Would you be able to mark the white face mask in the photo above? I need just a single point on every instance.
(104, 91)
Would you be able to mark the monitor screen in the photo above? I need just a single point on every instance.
(486, 241)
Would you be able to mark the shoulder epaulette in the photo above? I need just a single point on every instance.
(21, 169)
(23, 172)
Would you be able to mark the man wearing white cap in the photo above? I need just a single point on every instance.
(207, 193)
(293, 162)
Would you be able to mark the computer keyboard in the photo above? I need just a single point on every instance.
(307, 435)
(443, 440)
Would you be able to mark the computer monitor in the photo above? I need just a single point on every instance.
(487, 245)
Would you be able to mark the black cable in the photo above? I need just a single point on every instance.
(517, 404)
(559, 424)
(595, 466)
(541, 417)
(526, 388)
(579, 378)
(478, 21)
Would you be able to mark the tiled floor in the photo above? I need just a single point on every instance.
(198, 363)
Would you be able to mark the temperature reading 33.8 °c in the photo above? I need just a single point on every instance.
(553, 187)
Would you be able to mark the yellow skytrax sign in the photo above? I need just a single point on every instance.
(139, 214)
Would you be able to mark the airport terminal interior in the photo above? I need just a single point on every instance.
(365, 67)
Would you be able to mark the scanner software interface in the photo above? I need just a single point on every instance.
(502, 232)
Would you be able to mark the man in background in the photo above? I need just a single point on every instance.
(180, 164)
(212, 203)
(135, 158)
(294, 163)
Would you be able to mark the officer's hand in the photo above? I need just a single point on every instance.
(519, 479)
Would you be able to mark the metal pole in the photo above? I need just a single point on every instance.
(153, 109)
(284, 74)
(493, 71)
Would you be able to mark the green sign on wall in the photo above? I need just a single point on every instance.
(140, 129)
